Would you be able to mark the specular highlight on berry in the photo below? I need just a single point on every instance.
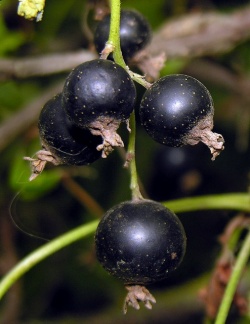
(178, 110)
(140, 242)
(98, 95)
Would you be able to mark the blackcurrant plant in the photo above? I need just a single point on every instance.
(139, 241)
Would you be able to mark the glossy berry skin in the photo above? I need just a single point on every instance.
(173, 106)
(68, 143)
(135, 33)
(140, 242)
(98, 88)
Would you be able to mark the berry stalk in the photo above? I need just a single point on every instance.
(43, 252)
(113, 43)
(131, 161)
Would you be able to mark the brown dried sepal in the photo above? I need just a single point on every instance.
(108, 49)
(38, 163)
(106, 127)
(202, 132)
(148, 64)
(138, 294)
(212, 294)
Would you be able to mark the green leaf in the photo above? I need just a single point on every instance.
(15, 94)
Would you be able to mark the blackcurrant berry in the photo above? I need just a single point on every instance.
(178, 110)
(140, 242)
(62, 141)
(99, 95)
(135, 33)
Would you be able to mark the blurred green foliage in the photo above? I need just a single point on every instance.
(10, 40)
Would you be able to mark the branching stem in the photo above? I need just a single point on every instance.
(114, 45)
(114, 41)
(134, 185)
(114, 34)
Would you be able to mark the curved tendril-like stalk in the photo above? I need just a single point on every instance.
(233, 201)
(43, 252)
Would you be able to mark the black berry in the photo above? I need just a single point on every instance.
(70, 144)
(99, 95)
(135, 33)
(178, 110)
(140, 242)
(62, 141)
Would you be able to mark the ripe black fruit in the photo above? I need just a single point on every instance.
(140, 242)
(99, 95)
(70, 144)
(134, 33)
(62, 141)
(178, 110)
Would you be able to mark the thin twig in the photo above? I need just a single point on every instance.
(200, 34)
(192, 35)
(82, 195)
(43, 64)
(24, 118)
(221, 76)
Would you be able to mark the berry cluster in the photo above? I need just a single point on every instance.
(79, 125)
(138, 241)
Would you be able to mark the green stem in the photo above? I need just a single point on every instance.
(234, 201)
(134, 185)
(114, 44)
(114, 34)
(230, 290)
(114, 40)
(43, 252)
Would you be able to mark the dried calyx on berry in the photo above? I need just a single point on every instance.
(140, 242)
(62, 141)
(98, 95)
(178, 110)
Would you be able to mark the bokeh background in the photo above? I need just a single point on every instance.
(70, 286)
